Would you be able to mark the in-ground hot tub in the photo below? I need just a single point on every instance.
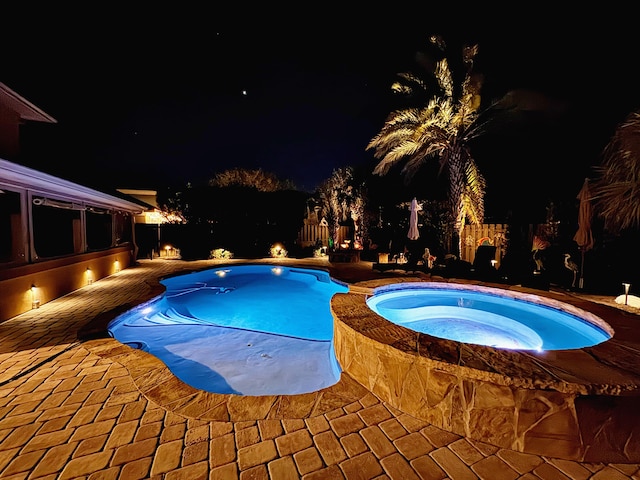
(577, 404)
(488, 316)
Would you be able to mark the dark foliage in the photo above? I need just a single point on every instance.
(240, 219)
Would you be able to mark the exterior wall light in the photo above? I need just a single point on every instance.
(116, 265)
(35, 297)
(89, 275)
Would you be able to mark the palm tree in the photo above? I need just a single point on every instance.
(616, 191)
(440, 126)
(341, 199)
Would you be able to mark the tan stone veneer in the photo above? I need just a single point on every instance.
(577, 404)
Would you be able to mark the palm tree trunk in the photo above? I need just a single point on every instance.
(456, 185)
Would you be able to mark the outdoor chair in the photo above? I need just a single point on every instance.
(483, 267)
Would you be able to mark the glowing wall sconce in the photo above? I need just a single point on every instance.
(89, 275)
(493, 263)
(35, 297)
(626, 292)
(116, 265)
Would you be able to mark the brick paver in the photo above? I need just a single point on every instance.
(353, 444)
(329, 447)
(66, 412)
(257, 454)
(492, 468)
(377, 441)
(361, 466)
(293, 442)
(308, 460)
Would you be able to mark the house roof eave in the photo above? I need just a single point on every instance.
(23, 107)
(12, 174)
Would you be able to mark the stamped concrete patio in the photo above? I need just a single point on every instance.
(76, 404)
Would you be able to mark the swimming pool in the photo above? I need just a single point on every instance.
(242, 329)
(489, 316)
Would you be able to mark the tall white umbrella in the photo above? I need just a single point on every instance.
(413, 234)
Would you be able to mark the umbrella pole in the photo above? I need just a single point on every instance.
(581, 281)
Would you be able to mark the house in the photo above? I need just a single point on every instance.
(55, 235)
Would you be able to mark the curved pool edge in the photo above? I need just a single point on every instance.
(570, 404)
(158, 384)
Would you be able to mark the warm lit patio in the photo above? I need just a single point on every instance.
(77, 405)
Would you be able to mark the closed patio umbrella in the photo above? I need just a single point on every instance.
(413, 234)
(584, 236)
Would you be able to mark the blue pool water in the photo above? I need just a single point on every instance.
(244, 329)
(488, 316)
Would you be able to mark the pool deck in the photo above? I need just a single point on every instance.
(76, 404)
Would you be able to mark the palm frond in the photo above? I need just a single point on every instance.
(395, 155)
(616, 190)
(416, 162)
(469, 53)
(445, 77)
(410, 81)
(438, 41)
(618, 203)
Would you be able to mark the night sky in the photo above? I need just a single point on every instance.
(178, 98)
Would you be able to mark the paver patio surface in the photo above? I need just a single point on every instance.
(73, 405)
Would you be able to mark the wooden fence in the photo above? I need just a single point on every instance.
(472, 237)
(309, 234)
(486, 234)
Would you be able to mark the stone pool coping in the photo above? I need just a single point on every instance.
(156, 382)
(575, 404)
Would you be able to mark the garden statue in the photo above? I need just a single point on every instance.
(427, 258)
(572, 266)
(539, 244)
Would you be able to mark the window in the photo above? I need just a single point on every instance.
(122, 227)
(12, 231)
(57, 228)
(99, 229)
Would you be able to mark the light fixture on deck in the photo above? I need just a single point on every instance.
(35, 296)
(89, 275)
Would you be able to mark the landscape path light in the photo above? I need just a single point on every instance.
(626, 292)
